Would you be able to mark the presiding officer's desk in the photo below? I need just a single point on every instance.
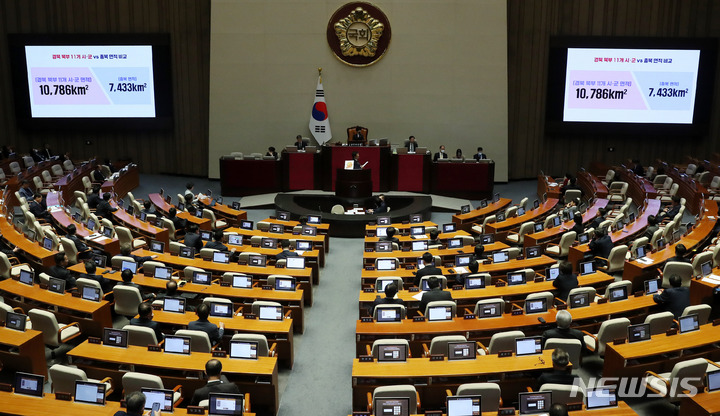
(467, 220)
(431, 378)
(291, 300)
(495, 269)
(661, 352)
(279, 332)
(22, 351)
(702, 404)
(588, 318)
(257, 377)
(467, 298)
(164, 208)
(553, 234)
(637, 271)
(92, 316)
(32, 250)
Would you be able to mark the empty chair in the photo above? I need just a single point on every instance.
(655, 237)
(659, 322)
(244, 257)
(189, 271)
(378, 342)
(263, 226)
(87, 184)
(691, 169)
(132, 381)
(659, 181)
(703, 312)
(563, 393)
(503, 341)
(617, 192)
(141, 336)
(609, 176)
(337, 209)
(217, 224)
(513, 252)
(39, 186)
(439, 344)
(690, 373)
(490, 392)
(682, 269)
(510, 212)
(562, 249)
(57, 171)
(68, 165)
(64, 377)
(207, 253)
(15, 168)
(379, 308)
(639, 242)
(548, 296)
(199, 340)
(666, 197)
(441, 303)
(627, 284)
(479, 305)
(480, 228)
(665, 186)
(589, 290)
(10, 266)
(616, 260)
(397, 391)
(698, 261)
(126, 238)
(572, 346)
(519, 238)
(263, 349)
(549, 221)
(572, 195)
(168, 224)
(127, 300)
(70, 250)
(53, 333)
(609, 331)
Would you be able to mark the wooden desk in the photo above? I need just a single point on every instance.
(548, 186)
(622, 410)
(447, 255)
(92, 316)
(402, 228)
(702, 292)
(14, 183)
(126, 181)
(232, 216)
(289, 226)
(257, 377)
(503, 227)
(68, 186)
(249, 177)
(639, 188)
(637, 272)
(32, 250)
(591, 185)
(318, 240)
(406, 240)
(554, 234)
(688, 188)
(451, 179)
(431, 378)
(23, 351)
(661, 353)
(143, 228)
(292, 301)
(279, 332)
(164, 208)
(314, 259)
(466, 221)
(702, 404)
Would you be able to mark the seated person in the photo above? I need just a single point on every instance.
(675, 298)
(671, 211)
(192, 238)
(389, 299)
(215, 332)
(93, 198)
(473, 268)
(104, 209)
(380, 205)
(563, 319)
(25, 190)
(357, 136)
(680, 253)
(440, 154)
(125, 251)
(178, 222)
(428, 270)
(572, 184)
(602, 212)
(39, 208)
(561, 373)
(558, 409)
(479, 253)
(459, 154)
(144, 318)
(411, 145)
(97, 174)
(217, 383)
(285, 253)
(480, 155)
(60, 271)
(434, 240)
(148, 208)
(578, 226)
(83, 251)
(134, 405)
(601, 244)
(271, 152)
(435, 293)
(299, 143)
(566, 281)
(90, 269)
(127, 276)
(217, 242)
(390, 236)
(652, 227)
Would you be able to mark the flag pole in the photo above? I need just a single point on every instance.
(320, 74)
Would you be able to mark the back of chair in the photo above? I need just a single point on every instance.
(490, 393)
(45, 322)
(691, 372)
(611, 330)
(441, 303)
(405, 390)
(702, 310)
(150, 265)
(659, 322)
(616, 259)
(132, 381)
(616, 285)
(440, 278)
(127, 300)
(189, 271)
(682, 269)
(563, 393)
(258, 303)
(63, 378)
(572, 195)
(70, 250)
(82, 283)
(166, 223)
(125, 236)
(15, 168)
(141, 336)
(439, 344)
(116, 261)
(482, 302)
(378, 342)
(56, 170)
(207, 253)
(379, 308)
(699, 259)
(548, 296)
(504, 341)
(199, 340)
(572, 346)
(263, 349)
(589, 290)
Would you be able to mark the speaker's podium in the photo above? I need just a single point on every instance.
(353, 183)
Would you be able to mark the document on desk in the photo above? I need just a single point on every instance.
(460, 270)
(712, 279)
(644, 260)
(418, 295)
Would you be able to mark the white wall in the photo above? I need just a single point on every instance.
(443, 78)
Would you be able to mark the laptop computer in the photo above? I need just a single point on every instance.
(222, 257)
(246, 350)
(89, 392)
(533, 403)
(392, 353)
(164, 273)
(29, 384)
(201, 278)
(483, 203)
(131, 265)
(242, 281)
(475, 282)
(556, 221)
(115, 337)
(600, 397)
(417, 230)
(235, 240)
(176, 344)
(205, 235)
(461, 350)
(706, 268)
(221, 309)
(421, 245)
(395, 406)
(266, 242)
(16, 321)
(652, 286)
(421, 263)
(307, 245)
(307, 230)
(285, 283)
(386, 264)
(583, 238)
(500, 217)
(640, 252)
(162, 396)
(500, 257)
(90, 293)
(449, 228)
(27, 277)
(56, 285)
(416, 218)
(536, 306)
(538, 227)
(532, 252)
(389, 313)
(220, 404)
(283, 215)
(247, 225)
(383, 246)
(465, 209)
(712, 380)
(176, 305)
(314, 219)
(455, 243)
(579, 300)
(639, 332)
(618, 293)
(463, 260)
(381, 231)
(551, 273)
(528, 346)
(587, 267)
(516, 278)
(463, 405)
(383, 220)
(380, 284)
(271, 313)
(277, 228)
(257, 260)
(48, 243)
(689, 323)
(440, 313)
(295, 263)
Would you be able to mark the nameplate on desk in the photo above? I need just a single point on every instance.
(94, 340)
(255, 245)
(154, 348)
(365, 358)
(369, 268)
(716, 322)
(506, 411)
(517, 312)
(437, 357)
(506, 353)
(469, 316)
(43, 286)
(500, 284)
(405, 249)
(561, 307)
(418, 319)
(370, 234)
(573, 407)
(639, 294)
(457, 287)
(279, 266)
(59, 395)
(414, 289)
(267, 287)
(156, 307)
(148, 273)
(671, 331)
(368, 290)
(539, 279)
(361, 414)
(602, 300)
(488, 261)
(618, 341)
(224, 284)
(296, 232)
(249, 316)
(433, 413)
(6, 387)
(409, 267)
(366, 319)
(75, 294)
(219, 354)
(195, 410)
(369, 250)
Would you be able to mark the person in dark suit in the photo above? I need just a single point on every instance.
(90, 269)
(411, 145)
(299, 143)
(215, 332)
(285, 253)
(560, 373)
(356, 161)
(601, 244)
(25, 190)
(390, 236)
(680, 253)
(558, 409)
(127, 276)
(473, 268)
(479, 253)
(104, 209)
(93, 198)
(675, 298)
(192, 238)
(563, 330)
(638, 168)
(216, 242)
(380, 205)
(83, 251)
(178, 222)
(480, 155)
(572, 184)
(440, 154)
(134, 405)
(578, 227)
(434, 240)
(148, 208)
(358, 136)
(144, 318)
(127, 252)
(435, 293)
(652, 227)
(595, 224)
(60, 271)
(565, 282)
(217, 383)
(271, 152)
(97, 175)
(671, 211)
(428, 270)
(389, 299)
(38, 208)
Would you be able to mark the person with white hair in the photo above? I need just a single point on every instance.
(563, 330)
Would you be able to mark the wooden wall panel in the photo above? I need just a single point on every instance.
(530, 26)
(180, 151)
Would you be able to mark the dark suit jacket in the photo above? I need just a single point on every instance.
(26, 193)
(93, 200)
(602, 246)
(179, 223)
(104, 283)
(578, 228)
(384, 301)
(104, 209)
(479, 156)
(63, 273)
(679, 259)
(433, 295)
(98, 176)
(208, 327)
(568, 333)
(216, 245)
(556, 377)
(382, 208)
(148, 323)
(144, 295)
(675, 299)
(215, 386)
(439, 155)
(426, 271)
(391, 239)
(38, 210)
(357, 165)
(564, 284)
(596, 222)
(285, 254)
(650, 230)
(79, 244)
(194, 240)
(300, 145)
(412, 146)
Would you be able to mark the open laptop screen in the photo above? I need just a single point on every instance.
(383, 246)
(305, 245)
(276, 228)
(578, 300)
(242, 281)
(29, 384)
(455, 243)
(475, 282)
(201, 278)
(551, 273)
(162, 396)
(535, 402)
(257, 260)
(235, 240)
(386, 264)
(583, 238)
(91, 293)
(516, 278)
(222, 257)
(244, 349)
(440, 313)
(285, 283)
(271, 313)
(47, 243)
(463, 350)
(487, 239)
(164, 273)
(295, 263)
(89, 392)
(464, 405)
(490, 310)
(639, 332)
(587, 268)
(205, 235)
(532, 252)
(383, 220)
(416, 218)
(27, 277)
(465, 209)
(314, 219)
(689, 323)
(706, 268)
(266, 242)
(176, 305)
(177, 344)
(128, 265)
(601, 397)
(392, 352)
(462, 260)
(713, 380)
(618, 293)
(448, 228)
(537, 227)
(221, 309)
(381, 231)
(157, 246)
(56, 285)
(246, 225)
(16, 321)
(528, 346)
(500, 257)
(652, 286)
(387, 406)
(115, 337)
(389, 314)
(225, 404)
(308, 230)
(421, 245)
(283, 216)
(536, 305)
(417, 230)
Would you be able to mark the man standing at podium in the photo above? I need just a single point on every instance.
(356, 161)
(411, 144)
